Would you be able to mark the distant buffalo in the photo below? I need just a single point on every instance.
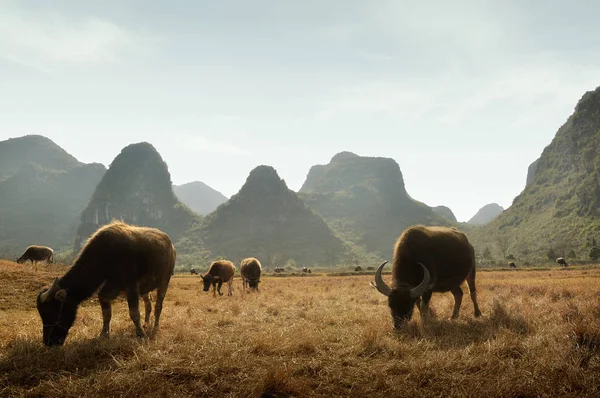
(511, 264)
(37, 253)
(561, 261)
(117, 258)
(370, 268)
(279, 269)
(358, 269)
(250, 270)
(306, 270)
(219, 272)
(193, 271)
(427, 260)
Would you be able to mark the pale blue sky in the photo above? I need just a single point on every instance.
(463, 95)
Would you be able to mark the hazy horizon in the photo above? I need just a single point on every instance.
(463, 95)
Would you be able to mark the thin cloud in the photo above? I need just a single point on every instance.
(42, 41)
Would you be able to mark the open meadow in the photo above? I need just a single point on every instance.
(313, 335)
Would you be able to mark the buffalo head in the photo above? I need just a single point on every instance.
(208, 280)
(57, 313)
(401, 299)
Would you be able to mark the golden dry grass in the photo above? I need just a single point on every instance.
(314, 336)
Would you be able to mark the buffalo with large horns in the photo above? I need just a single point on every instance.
(427, 260)
(117, 258)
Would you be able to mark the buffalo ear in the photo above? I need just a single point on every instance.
(61, 295)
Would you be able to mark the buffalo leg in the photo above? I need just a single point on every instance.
(230, 290)
(423, 304)
(161, 292)
(473, 292)
(219, 288)
(147, 307)
(133, 300)
(458, 294)
(106, 305)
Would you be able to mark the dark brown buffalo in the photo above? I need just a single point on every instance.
(358, 269)
(193, 271)
(37, 253)
(279, 269)
(117, 258)
(250, 270)
(511, 264)
(427, 260)
(219, 272)
(561, 261)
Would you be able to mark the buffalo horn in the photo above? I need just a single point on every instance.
(48, 294)
(379, 283)
(418, 290)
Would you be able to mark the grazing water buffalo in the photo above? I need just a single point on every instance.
(358, 269)
(193, 271)
(511, 264)
(561, 261)
(117, 258)
(219, 272)
(427, 260)
(250, 269)
(37, 253)
(279, 269)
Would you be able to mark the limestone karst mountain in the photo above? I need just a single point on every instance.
(267, 220)
(364, 200)
(559, 210)
(136, 189)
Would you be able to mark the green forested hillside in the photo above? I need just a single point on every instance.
(558, 213)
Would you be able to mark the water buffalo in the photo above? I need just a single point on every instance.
(219, 272)
(279, 269)
(116, 258)
(561, 261)
(37, 253)
(193, 271)
(427, 260)
(358, 269)
(305, 269)
(250, 269)
(511, 264)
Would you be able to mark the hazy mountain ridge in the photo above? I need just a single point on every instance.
(199, 197)
(486, 214)
(33, 148)
(42, 194)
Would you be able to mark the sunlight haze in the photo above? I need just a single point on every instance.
(463, 95)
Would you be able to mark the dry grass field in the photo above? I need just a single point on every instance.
(315, 335)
